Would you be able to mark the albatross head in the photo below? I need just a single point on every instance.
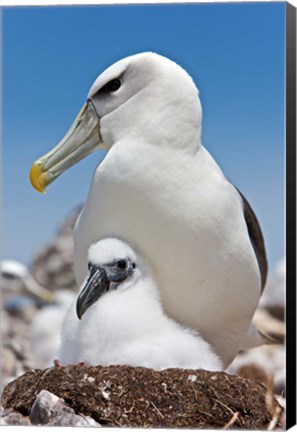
(146, 97)
(113, 265)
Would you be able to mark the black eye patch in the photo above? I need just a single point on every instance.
(119, 270)
(111, 86)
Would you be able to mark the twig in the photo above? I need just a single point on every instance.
(275, 419)
(130, 409)
(232, 420)
(158, 411)
(229, 409)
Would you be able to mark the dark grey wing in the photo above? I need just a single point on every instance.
(256, 237)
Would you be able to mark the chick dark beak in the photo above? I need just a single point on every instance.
(96, 285)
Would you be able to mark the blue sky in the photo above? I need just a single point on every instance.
(51, 56)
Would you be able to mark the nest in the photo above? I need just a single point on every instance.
(138, 397)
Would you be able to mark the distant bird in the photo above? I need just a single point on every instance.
(160, 190)
(46, 322)
(118, 318)
(15, 270)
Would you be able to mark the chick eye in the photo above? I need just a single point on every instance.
(122, 264)
(113, 85)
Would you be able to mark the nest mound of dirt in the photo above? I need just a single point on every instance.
(140, 397)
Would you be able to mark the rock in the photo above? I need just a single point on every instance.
(13, 362)
(53, 265)
(255, 372)
(266, 361)
(50, 410)
(9, 362)
(139, 397)
(43, 407)
(16, 349)
(4, 322)
(13, 418)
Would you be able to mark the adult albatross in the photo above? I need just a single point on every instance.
(160, 190)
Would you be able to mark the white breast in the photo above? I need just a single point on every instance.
(190, 228)
(129, 327)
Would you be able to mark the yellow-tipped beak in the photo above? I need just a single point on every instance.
(37, 177)
(82, 138)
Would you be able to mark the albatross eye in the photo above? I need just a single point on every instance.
(113, 85)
